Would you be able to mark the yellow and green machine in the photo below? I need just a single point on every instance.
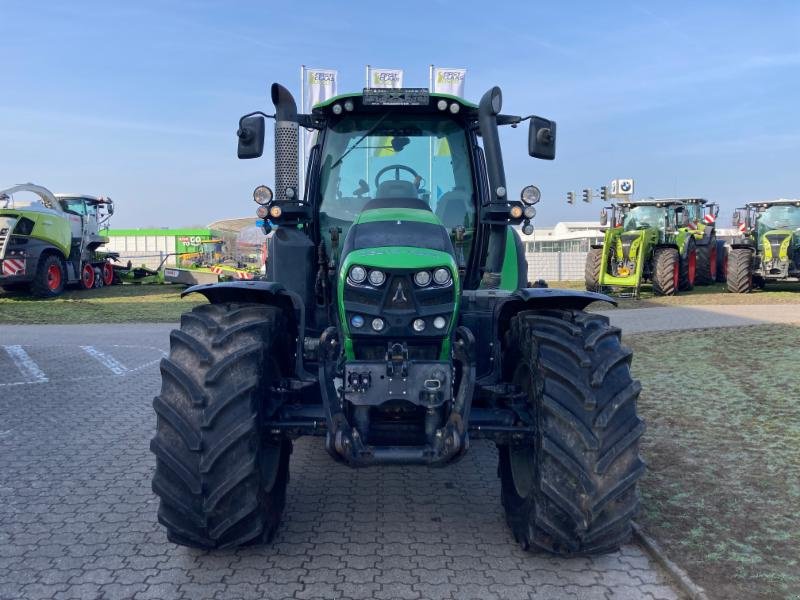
(48, 241)
(648, 241)
(768, 249)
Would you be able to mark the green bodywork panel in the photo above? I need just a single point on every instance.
(509, 276)
(392, 258)
(50, 228)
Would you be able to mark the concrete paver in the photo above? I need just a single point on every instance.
(78, 518)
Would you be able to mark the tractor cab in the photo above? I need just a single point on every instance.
(663, 215)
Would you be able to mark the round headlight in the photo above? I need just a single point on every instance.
(441, 276)
(418, 325)
(530, 194)
(454, 108)
(422, 278)
(376, 278)
(358, 274)
(290, 194)
(348, 105)
(357, 321)
(262, 195)
(378, 324)
(337, 109)
(439, 322)
(441, 104)
(516, 211)
(529, 212)
(261, 212)
(275, 211)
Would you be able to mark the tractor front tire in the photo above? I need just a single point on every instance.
(666, 271)
(688, 270)
(722, 261)
(592, 270)
(572, 491)
(740, 270)
(221, 482)
(707, 263)
(50, 277)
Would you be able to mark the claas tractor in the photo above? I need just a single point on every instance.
(394, 322)
(701, 218)
(647, 241)
(768, 247)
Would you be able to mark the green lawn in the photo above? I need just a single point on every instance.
(114, 304)
(722, 489)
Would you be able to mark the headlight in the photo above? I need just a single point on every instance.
(262, 195)
(441, 276)
(357, 274)
(422, 278)
(530, 195)
(377, 278)
(378, 324)
(418, 325)
(357, 321)
(439, 322)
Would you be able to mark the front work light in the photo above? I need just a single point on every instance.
(358, 274)
(262, 195)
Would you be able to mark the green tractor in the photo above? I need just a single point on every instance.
(701, 220)
(394, 321)
(648, 241)
(769, 246)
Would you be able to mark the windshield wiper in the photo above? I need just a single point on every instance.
(369, 132)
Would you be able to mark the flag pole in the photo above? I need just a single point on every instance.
(430, 144)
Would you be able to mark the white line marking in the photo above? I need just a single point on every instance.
(106, 360)
(26, 364)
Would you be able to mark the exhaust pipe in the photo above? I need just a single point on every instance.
(287, 152)
(489, 107)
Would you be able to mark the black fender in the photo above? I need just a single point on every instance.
(488, 314)
(262, 292)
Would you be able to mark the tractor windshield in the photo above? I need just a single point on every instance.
(641, 217)
(780, 217)
(392, 156)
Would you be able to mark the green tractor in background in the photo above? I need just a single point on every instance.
(701, 218)
(395, 322)
(648, 241)
(769, 247)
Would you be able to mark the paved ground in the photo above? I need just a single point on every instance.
(77, 517)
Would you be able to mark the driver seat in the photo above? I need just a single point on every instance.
(396, 188)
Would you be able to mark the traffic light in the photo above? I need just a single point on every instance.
(570, 197)
(587, 195)
(604, 193)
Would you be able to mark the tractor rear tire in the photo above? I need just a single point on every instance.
(707, 263)
(666, 268)
(592, 270)
(688, 270)
(221, 482)
(50, 277)
(572, 491)
(740, 270)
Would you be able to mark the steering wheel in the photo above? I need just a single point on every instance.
(397, 169)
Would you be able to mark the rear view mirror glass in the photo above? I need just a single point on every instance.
(251, 137)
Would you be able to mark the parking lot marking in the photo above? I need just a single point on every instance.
(26, 364)
(106, 360)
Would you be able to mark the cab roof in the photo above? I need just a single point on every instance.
(778, 202)
(421, 99)
(653, 202)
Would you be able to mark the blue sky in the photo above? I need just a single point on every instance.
(140, 100)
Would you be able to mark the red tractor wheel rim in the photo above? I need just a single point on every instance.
(87, 276)
(713, 262)
(692, 266)
(676, 275)
(53, 277)
(108, 274)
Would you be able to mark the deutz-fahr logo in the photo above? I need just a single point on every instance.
(317, 78)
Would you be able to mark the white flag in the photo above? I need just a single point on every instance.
(449, 81)
(384, 78)
(320, 84)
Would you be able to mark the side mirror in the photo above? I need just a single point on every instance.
(603, 218)
(737, 218)
(251, 137)
(542, 138)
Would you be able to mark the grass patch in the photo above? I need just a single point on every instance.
(723, 451)
(114, 304)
